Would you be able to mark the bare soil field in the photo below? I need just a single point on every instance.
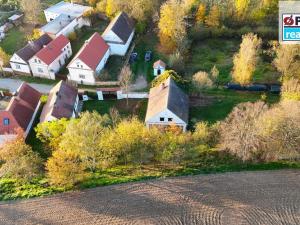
(254, 198)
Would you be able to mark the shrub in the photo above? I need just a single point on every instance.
(201, 80)
(65, 169)
(279, 130)
(168, 73)
(72, 36)
(238, 132)
(19, 161)
(291, 89)
(176, 62)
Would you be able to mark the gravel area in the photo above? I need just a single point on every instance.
(254, 198)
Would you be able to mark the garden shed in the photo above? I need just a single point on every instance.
(159, 67)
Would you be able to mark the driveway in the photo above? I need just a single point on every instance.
(14, 84)
(248, 198)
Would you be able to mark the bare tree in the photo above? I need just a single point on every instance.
(32, 10)
(125, 80)
(238, 132)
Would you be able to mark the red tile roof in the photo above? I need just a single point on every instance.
(20, 110)
(159, 63)
(53, 50)
(93, 51)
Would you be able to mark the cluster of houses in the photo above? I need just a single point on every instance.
(46, 56)
(168, 106)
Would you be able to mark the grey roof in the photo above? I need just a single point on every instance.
(122, 26)
(61, 101)
(56, 25)
(67, 8)
(168, 96)
(33, 47)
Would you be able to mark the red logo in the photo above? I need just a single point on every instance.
(288, 21)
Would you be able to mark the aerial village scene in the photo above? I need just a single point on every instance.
(150, 112)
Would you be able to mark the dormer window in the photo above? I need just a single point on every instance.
(5, 121)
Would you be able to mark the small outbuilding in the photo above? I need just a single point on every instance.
(16, 19)
(159, 67)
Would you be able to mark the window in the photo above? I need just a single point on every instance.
(78, 65)
(39, 61)
(35, 60)
(170, 119)
(18, 66)
(161, 119)
(40, 70)
(81, 76)
(6, 121)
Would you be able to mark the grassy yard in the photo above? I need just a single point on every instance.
(145, 43)
(220, 103)
(14, 40)
(135, 107)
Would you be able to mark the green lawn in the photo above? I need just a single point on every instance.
(210, 52)
(145, 43)
(14, 40)
(224, 102)
(86, 33)
(135, 107)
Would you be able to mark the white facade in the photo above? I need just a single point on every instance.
(19, 65)
(159, 70)
(115, 43)
(166, 118)
(82, 74)
(53, 29)
(41, 69)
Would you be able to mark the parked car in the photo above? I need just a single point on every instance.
(148, 56)
(133, 57)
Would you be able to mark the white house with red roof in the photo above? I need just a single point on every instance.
(89, 61)
(20, 113)
(51, 58)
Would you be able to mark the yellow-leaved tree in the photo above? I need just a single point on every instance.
(246, 59)
(172, 29)
(241, 7)
(201, 12)
(213, 18)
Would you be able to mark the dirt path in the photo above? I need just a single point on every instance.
(254, 198)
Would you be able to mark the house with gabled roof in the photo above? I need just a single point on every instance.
(47, 62)
(89, 61)
(62, 102)
(20, 113)
(64, 18)
(168, 106)
(119, 34)
(20, 60)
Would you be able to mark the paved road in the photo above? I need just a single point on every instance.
(14, 84)
(252, 198)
